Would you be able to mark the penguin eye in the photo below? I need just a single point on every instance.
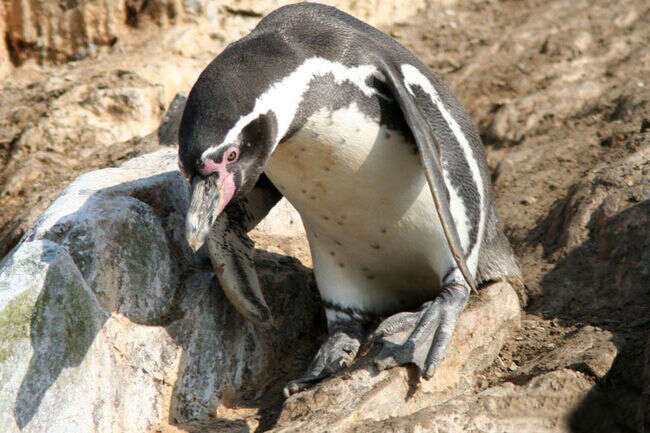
(232, 155)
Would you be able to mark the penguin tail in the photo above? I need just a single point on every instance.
(497, 261)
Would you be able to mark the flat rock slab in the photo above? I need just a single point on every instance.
(539, 406)
(363, 394)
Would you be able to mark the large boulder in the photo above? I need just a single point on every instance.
(108, 322)
(104, 261)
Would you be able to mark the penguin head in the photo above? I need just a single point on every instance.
(222, 158)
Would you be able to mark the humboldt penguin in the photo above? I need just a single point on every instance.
(381, 161)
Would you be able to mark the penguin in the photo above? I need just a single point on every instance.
(381, 161)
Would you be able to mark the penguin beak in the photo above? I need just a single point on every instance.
(204, 209)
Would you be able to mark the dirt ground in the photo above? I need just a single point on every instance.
(560, 90)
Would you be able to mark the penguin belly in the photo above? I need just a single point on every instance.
(375, 238)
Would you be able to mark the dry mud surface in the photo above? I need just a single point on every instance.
(560, 90)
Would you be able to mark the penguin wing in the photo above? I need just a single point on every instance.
(232, 252)
(429, 151)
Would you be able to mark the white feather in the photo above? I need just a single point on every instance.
(373, 231)
(284, 97)
(413, 76)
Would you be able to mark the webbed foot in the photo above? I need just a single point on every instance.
(336, 353)
(421, 337)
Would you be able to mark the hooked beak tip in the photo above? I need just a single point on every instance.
(205, 206)
(195, 245)
(195, 235)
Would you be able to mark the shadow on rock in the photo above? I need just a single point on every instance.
(228, 365)
(65, 320)
(602, 284)
(103, 251)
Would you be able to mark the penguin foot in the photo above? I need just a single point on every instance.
(421, 337)
(336, 353)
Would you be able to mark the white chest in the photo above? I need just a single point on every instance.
(365, 203)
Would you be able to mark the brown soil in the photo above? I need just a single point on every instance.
(559, 89)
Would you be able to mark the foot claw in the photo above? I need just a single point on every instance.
(420, 338)
(395, 324)
(335, 354)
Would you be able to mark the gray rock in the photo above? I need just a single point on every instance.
(168, 130)
(105, 259)
(538, 406)
(109, 323)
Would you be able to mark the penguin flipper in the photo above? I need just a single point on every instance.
(422, 337)
(429, 151)
(232, 252)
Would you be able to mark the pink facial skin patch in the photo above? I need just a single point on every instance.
(227, 192)
(210, 166)
(226, 182)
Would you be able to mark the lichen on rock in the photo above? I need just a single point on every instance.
(15, 321)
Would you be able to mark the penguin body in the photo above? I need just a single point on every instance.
(374, 236)
(384, 166)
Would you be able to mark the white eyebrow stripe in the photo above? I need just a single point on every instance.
(284, 96)
(413, 76)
